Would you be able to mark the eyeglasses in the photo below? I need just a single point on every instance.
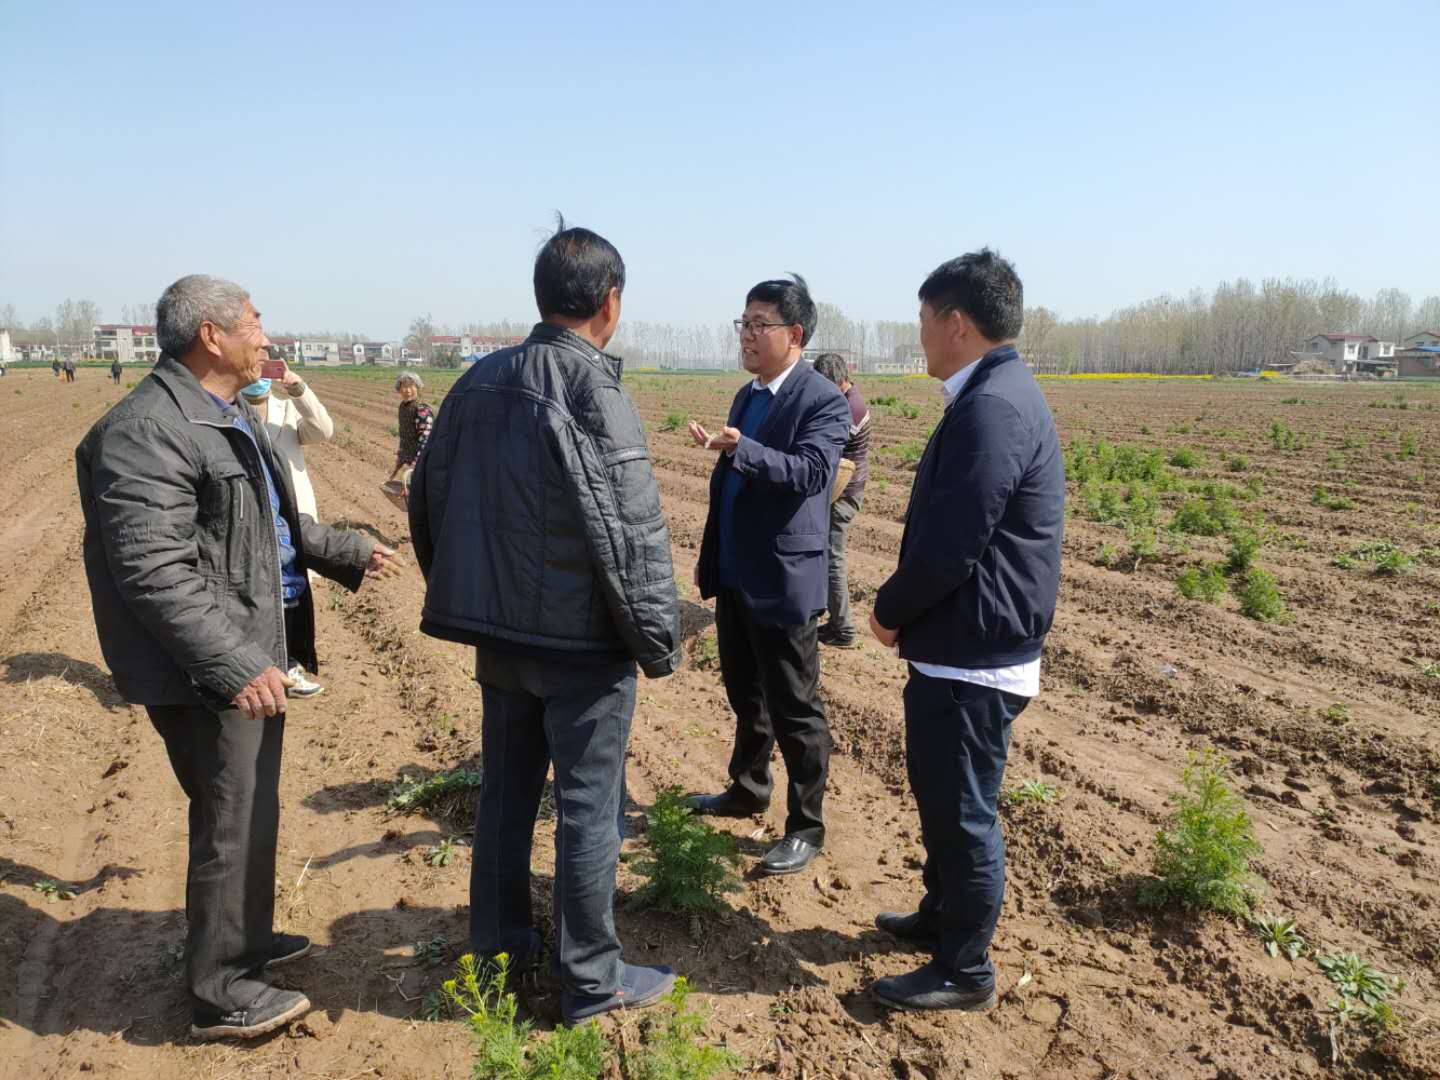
(754, 326)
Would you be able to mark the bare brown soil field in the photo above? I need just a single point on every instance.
(1347, 805)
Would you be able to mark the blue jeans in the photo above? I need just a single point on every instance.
(957, 736)
(575, 716)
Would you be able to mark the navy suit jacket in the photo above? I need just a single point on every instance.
(782, 514)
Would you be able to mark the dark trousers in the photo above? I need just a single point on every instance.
(229, 767)
(957, 736)
(575, 716)
(842, 513)
(772, 678)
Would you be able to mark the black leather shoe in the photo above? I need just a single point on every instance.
(726, 804)
(913, 929)
(273, 1009)
(789, 856)
(288, 947)
(928, 988)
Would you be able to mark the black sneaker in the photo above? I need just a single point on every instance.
(273, 1009)
(288, 947)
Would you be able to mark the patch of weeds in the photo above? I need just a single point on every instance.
(1393, 563)
(908, 411)
(1032, 791)
(1409, 445)
(504, 1049)
(1109, 555)
(670, 1050)
(1260, 597)
(1185, 458)
(1279, 936)
(432, 952)
(1144, 428)
(688, 864)
(1208, 515)
(1430, 669)
(889, 401)
(674, 421)
(1180, 429)
(441, 854)
(1284, 439)
(413, 793)
(706, 653)
(1238, 463)
(1202, 855)
(907, 453)
(1337, 713)
(54, 890)
(1202, 583)
(1321, 497)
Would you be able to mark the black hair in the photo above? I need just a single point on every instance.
(983, 286)
(575, 271)
(833, 367)
(791, 299)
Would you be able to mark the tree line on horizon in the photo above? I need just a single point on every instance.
(1236, 326)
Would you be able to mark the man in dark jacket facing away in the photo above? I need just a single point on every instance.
(970, 604)
(197, 562)
(536, 520)
(764, 556)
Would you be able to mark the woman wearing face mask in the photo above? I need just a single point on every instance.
(416, 420)
(294, 418)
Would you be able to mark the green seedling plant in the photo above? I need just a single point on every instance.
(1260, 597)
(688, 864)
(1279, 936)
(1338, 713)
(1355, 978)
(670, 1050)
(432, 952)
(674, 421)
(1032, 791)
(54, 890)
(1185, 458)
(1202, 583)
(504, 1048)
(1322, 497)
(1245, 545)
(1203, 852)
(442, 854)
(411, 794)
(1429, 668)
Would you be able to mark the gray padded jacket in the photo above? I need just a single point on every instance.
(180, 546)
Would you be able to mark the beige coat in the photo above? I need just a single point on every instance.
(294, 423)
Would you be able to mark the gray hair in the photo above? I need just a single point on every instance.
(196, 299)
(411, 378)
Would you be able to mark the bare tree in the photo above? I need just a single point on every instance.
(422, 329)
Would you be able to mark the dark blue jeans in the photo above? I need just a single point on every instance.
(575, 716)
(957, 736)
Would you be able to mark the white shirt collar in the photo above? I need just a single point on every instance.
(774, 385)
(952, 386)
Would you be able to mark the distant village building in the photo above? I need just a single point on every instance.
(468, 346)
(128, 344)
(1350, 354)
(374, 352)
(1419, 356)
(907, 360)
(298, 352)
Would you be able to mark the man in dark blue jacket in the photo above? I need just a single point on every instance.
(970, 604)
(764, 558)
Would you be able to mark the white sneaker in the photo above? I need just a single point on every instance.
(303, 686)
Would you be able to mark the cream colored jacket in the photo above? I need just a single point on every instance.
(294, 423)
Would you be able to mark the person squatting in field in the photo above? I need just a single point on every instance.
(536, 521)
(764, 557)
(969, 605)
(294, 418)
(196, 556)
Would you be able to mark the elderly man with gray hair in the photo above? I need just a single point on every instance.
(197, 561)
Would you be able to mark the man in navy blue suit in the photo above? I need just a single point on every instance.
(970, 603)
(764, 558)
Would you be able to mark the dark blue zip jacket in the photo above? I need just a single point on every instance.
(980, 559)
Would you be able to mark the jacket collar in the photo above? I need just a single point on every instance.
(793, 378)
(551, 334)
(994, 358)
(193, 400)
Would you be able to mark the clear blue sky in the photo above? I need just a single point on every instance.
(354, 164)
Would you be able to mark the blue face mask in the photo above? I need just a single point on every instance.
(258, 388)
